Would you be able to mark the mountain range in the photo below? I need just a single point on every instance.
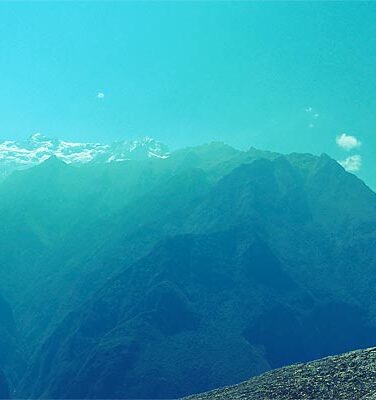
(189, 271)
(37, 148)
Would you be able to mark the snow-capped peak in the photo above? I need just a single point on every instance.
(38, 147)
(38, 137)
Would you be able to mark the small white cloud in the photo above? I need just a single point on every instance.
(348, 142)
(311, 126)
(352, 163)
(316, 115)
(100, 95)
(308, 109)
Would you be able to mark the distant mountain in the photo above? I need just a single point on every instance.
(348, 376)
(37, 148)
(189, 273)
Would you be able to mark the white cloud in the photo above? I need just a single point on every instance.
(352, 163)
(311, 126)
(100, 95)
(308, 109)
(347, 142)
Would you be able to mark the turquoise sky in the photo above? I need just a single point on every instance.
(188, 73)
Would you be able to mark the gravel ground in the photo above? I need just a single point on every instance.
(348, 376)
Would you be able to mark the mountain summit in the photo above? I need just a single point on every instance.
(37, 148)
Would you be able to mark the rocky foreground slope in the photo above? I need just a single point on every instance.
(348, 376)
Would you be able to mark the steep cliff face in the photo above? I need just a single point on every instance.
(347, 376)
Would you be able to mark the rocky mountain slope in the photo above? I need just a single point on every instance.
(190, 272)
(348, 376)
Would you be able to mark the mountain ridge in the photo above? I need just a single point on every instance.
(38, 148)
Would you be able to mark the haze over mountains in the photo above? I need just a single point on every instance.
(189, 271)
